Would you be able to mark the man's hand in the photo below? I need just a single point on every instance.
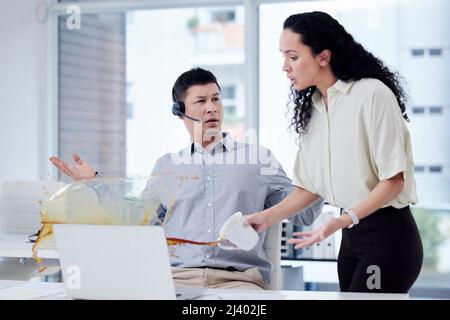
(78, 171)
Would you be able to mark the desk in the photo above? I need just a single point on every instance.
(16, 246)
(315, 271)
(56, 291)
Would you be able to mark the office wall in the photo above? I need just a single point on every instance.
(23, 113)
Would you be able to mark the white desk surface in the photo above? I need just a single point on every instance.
(17, 246)
(315, 271)
(56, 291)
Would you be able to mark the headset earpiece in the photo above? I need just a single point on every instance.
(178, 108)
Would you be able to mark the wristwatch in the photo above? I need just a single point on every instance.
(352, 215)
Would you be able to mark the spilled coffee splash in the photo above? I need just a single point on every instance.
(93, 202)
(177, 241)
(104, 202)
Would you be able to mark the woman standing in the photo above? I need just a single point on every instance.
(354, 151)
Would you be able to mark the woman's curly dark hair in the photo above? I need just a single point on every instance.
(349, 62)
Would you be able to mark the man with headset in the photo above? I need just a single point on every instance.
(224, 176)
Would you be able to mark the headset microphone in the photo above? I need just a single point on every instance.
(193, 119)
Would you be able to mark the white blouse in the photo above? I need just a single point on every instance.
(361, 140)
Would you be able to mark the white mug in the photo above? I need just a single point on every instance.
(240, 236)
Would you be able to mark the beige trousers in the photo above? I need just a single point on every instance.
(249, 279)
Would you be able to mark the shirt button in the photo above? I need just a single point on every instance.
(209, 204)
(208, 178)
(209, 230)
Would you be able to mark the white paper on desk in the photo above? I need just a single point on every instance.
(32, 290)
(243, 296)
(9, 283)
(60, 296)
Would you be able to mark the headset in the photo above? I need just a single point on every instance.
(178, 108)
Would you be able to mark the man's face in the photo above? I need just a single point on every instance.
(203, 102)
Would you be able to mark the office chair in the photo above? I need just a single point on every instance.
(272, 248)
(19, 204)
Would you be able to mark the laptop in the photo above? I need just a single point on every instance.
(116, 262)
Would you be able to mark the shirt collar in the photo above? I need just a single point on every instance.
(340, 86)
(226, 143)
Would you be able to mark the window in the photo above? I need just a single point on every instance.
(435, 52)
(116, 77)
(430, 169)
(130, 105)
(436, 169)
(436, 110)
(431, 52)
(228, 92)
(153, 73)
(417, 52)
(429, 110)
(223, 16)
(230, 110)
(419, 169)
(418, 110)
(129, 110)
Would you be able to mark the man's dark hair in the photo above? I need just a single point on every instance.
(195, 76)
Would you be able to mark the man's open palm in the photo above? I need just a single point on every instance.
(78, 171)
